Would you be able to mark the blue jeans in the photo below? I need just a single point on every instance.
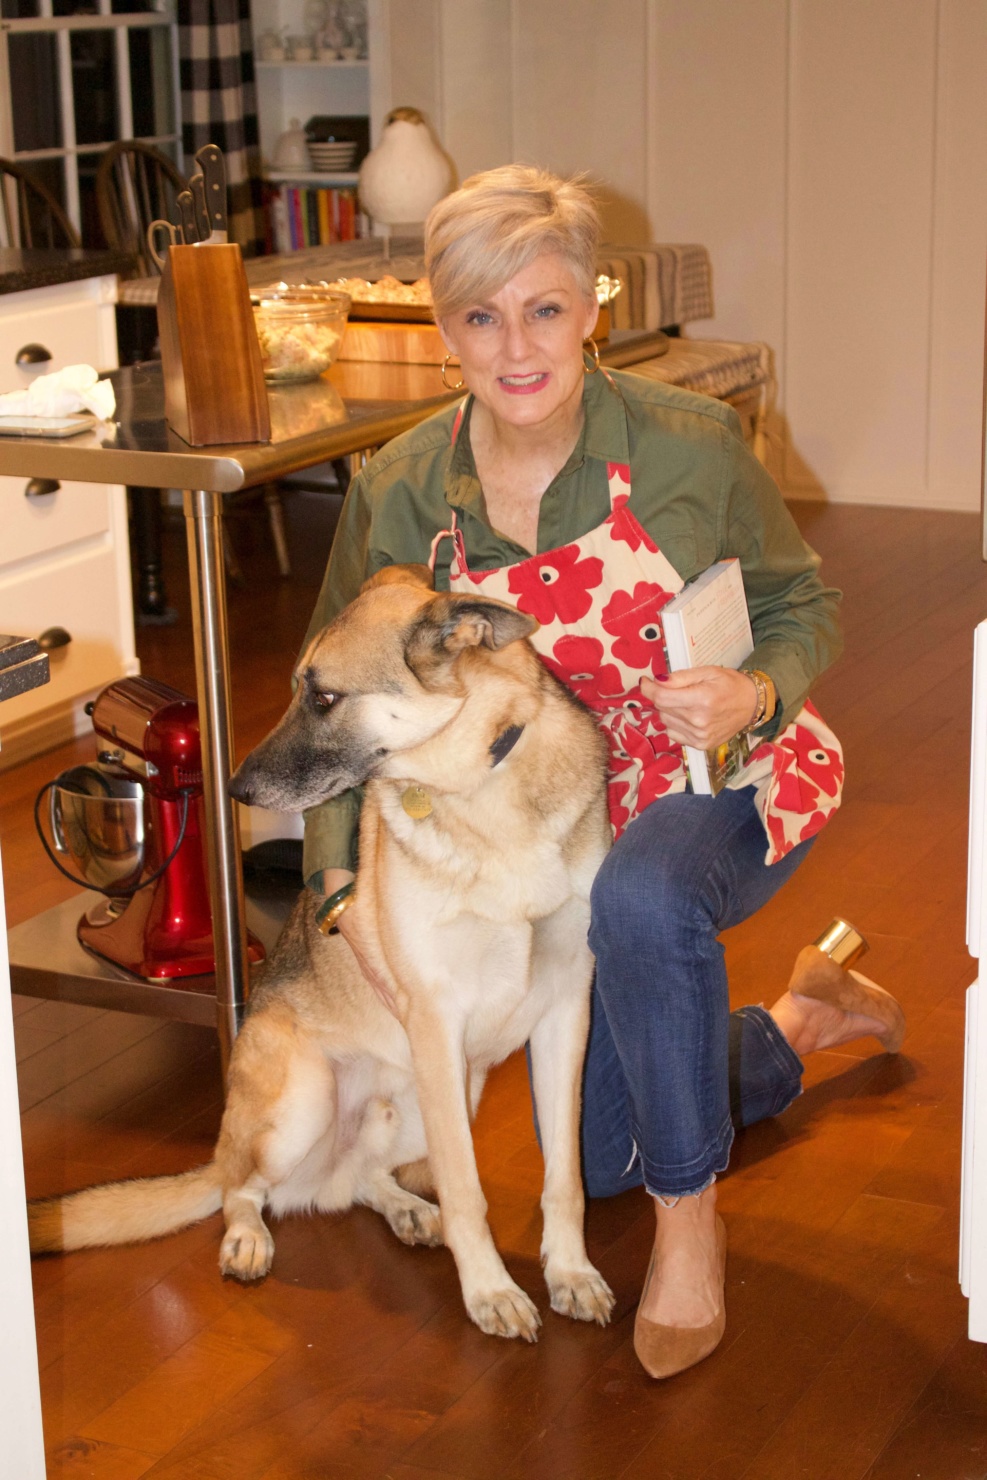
(667, 1060)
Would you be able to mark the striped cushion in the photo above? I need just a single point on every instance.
(142, 290)
(715, 367)
(662, 284)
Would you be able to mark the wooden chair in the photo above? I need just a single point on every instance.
(31, 215)
(135, 185)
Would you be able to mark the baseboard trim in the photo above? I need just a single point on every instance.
(889, 498)
(23, 739)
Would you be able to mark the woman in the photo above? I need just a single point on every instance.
(588, 500)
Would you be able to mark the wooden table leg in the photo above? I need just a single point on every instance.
(358, 460)
(204, 527)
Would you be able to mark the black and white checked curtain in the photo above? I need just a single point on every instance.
(219, 104)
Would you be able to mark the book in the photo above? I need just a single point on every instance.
(325, 219)
(299, 216)
(708, 623)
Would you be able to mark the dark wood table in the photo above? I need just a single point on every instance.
(352, 409)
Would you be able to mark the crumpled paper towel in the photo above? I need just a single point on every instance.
(76, 388)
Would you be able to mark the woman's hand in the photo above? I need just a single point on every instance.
(703, 706)
(333, 879)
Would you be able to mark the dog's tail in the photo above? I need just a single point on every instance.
(123, 1212)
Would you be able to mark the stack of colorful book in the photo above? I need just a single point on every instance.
(306, 216)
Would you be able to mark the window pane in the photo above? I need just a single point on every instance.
(13, 10)
(37, 226)
(34, 99)
(94, 72)
(150, 83)
(74, 7)
(132, 7)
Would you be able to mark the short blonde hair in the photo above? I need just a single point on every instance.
(497, 223)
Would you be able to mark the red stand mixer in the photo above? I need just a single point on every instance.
(132, 825)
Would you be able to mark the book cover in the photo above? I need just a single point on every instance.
(708, 623)
(292, 203)
(325, 219)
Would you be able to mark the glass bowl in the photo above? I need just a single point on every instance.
(300, 329)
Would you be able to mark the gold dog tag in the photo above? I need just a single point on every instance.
(416, 802)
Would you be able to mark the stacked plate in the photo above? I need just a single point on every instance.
(332, 156)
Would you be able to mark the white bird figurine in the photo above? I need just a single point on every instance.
(401, 180)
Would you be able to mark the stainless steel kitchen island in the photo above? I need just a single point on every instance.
(354, 408)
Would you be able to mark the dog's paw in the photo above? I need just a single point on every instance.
(582, 1295)
(246, 1253)
(506, 1312)
(417, 1222)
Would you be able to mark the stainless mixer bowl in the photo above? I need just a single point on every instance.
(104, 834)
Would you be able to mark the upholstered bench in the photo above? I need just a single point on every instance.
(740, 374)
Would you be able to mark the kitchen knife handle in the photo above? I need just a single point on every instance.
(197, 185)
(186, 209)
(210, 160)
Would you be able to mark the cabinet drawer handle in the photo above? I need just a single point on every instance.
(32, 354)
(54, 637)
(41, 487)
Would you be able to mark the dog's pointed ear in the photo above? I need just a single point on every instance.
(451, 623)
(401, 575)
(480, 621)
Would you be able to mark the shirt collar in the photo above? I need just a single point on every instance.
(603, 438)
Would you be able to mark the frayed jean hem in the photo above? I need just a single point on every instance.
(671, 1179)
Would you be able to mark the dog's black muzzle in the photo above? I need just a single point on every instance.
(301, 763)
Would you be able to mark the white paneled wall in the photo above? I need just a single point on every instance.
(580, 99)
(959, 220)
(832, 156)
(862, 102)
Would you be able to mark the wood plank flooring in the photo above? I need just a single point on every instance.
(845, 1356)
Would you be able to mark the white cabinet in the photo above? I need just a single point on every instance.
(64, 550)
(20, 1392)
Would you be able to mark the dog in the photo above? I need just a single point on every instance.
(476, 917)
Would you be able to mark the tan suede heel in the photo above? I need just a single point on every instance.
(816, 976)
(665, 1350)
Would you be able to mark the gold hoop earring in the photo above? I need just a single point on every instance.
(445, 365)
(594, 351)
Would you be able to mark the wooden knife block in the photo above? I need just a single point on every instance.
(210, 357)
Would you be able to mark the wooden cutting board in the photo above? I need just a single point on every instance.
(409, 344)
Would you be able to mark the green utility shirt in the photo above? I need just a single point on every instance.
(695, 487)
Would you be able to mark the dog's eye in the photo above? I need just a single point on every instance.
(323, 700)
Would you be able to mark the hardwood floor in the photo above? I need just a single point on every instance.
(845, 1356)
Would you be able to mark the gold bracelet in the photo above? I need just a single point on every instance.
(771, 705)
(766, 694)
(329, 912)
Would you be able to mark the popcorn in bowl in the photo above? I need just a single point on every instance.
(300, 329)
(387, 290)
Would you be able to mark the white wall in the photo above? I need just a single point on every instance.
(831, 154)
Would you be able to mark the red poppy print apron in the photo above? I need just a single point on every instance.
(598, 601)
